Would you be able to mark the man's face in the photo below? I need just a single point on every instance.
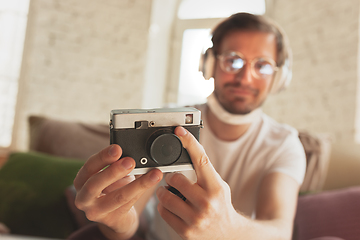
(240, 93)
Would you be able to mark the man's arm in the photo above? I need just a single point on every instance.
(276, 205)
(208, 212)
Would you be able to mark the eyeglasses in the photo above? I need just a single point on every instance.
(234, 62)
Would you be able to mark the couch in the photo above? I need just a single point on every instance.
(333, 213)
(36, 197)
(34, 185)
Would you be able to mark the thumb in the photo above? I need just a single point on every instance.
(205, 172)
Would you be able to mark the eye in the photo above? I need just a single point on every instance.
(233, 63)
(237, 63)
(263, 67)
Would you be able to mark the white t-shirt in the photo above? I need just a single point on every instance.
(266, 147)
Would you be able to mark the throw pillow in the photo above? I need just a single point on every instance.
(32, 199)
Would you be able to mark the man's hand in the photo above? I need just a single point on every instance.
(207, 212)
(107, 194)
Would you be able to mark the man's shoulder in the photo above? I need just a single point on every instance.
(200, 107)
(276, 129)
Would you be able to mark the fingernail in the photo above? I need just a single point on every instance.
(181, 131)
(154, 177)
(127, 163)
(112, 151)
(169, 175)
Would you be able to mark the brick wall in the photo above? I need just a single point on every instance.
(324, 36)
(82, 58)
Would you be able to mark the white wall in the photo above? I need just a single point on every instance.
(82, 58)
(324, 35)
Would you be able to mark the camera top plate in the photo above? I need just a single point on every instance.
(157, 117)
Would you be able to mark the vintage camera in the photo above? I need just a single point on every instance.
(147, 135)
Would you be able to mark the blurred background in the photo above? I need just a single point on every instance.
(76, 60)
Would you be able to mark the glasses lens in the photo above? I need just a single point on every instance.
(263, 68)
(232, 63)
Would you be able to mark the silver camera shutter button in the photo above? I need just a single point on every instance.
(151, 124)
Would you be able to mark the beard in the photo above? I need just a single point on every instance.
(238, 104)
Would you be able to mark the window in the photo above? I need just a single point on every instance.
(196, 9)
(193, 88)
(13, 19)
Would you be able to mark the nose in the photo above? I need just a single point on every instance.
(244, 76)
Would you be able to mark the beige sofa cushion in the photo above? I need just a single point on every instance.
(67, 139)
(317, 149)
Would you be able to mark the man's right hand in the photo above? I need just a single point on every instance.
(107, 195)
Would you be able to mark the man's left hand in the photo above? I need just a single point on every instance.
(207, 212)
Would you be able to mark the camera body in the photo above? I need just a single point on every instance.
(147, 135)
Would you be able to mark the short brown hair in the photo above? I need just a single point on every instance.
(249, 22)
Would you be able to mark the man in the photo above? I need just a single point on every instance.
(248, 172)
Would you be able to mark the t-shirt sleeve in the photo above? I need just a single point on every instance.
(290, 158)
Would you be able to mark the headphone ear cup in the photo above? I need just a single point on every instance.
(282, 77)
(207, 64)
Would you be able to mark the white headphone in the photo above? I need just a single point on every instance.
(281, 79)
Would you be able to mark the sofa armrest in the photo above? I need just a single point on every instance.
(333, 213)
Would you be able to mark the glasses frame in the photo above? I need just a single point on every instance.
(252, 64)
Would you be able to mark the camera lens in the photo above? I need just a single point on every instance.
(165, 149)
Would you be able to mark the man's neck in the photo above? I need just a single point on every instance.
(224, 131)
